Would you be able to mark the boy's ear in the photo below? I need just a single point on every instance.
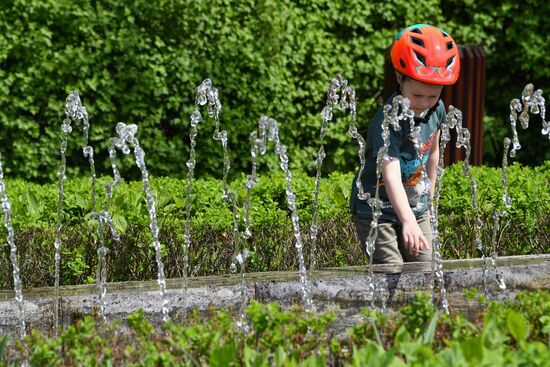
(399, 77)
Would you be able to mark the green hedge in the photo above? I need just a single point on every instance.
(501, 334)
(523, 231)
(511, 33)
(140, 63)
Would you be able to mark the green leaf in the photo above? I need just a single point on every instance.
(253, 358)
(545, 321)
(119, 222)
(3, 344)
(224, 356)
(429, 334)
(279, 356)
(517, 326)
(33, 204)
(372, 355)
(472, 349)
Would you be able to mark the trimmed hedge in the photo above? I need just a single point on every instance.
(523, 231)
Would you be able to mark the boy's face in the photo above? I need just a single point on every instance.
(423, 96)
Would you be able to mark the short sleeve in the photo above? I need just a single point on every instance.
(375, 131)
(441, 113)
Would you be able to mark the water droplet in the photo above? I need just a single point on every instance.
(500, 281)
(66, 128)
(478, 244)
(326, 114)
(131, 131)
(240, 259)
(88, 151)
(201, 98)
(507, 201)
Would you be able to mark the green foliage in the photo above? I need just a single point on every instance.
(3, 343)
(528, 188)
(372, 355)
(417, 313)
(270, 325)
(505, 334)
(140, 63)
(133, 256)
(513, 59)
(34, 215)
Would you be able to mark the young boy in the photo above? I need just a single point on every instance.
(425, 58)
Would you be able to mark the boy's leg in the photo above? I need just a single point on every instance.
(424, 255)
(386, 250)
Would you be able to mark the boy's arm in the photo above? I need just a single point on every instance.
(433, 161)
(413, 238)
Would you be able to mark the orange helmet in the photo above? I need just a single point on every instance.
(427, 54)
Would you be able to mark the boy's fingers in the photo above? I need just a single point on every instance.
(426, 245)
(406, 242)
(413, 247)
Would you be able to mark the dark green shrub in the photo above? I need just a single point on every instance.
(522, 231)
(500, 28)
(140, 63)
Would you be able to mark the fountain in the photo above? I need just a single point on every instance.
(344, 101)
(127, 139)
(207, 95)
(77, 113)
(13, 255)
(531, 101)
(269, 130)
(343, 288)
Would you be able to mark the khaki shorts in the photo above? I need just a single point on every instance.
(389, 247)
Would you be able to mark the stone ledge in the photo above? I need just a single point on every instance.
(343, 289)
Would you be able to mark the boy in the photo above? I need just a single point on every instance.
(425, 59)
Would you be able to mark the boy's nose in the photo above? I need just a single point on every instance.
(423, 104)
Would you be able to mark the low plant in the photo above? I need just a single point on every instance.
(504, 334)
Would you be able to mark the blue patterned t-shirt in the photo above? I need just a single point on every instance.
(402, 148)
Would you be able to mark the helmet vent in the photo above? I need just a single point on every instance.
(420, 58)
(444, 34)
(403, 65)
(416, 30)
(418, 41)
(450, 45)
(450, 62)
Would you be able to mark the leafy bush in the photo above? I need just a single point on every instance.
(500, 28)
(34, 215)
(519, 231)
(140, 63)
(510, 333)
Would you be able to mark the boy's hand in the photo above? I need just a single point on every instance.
(413, 238)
